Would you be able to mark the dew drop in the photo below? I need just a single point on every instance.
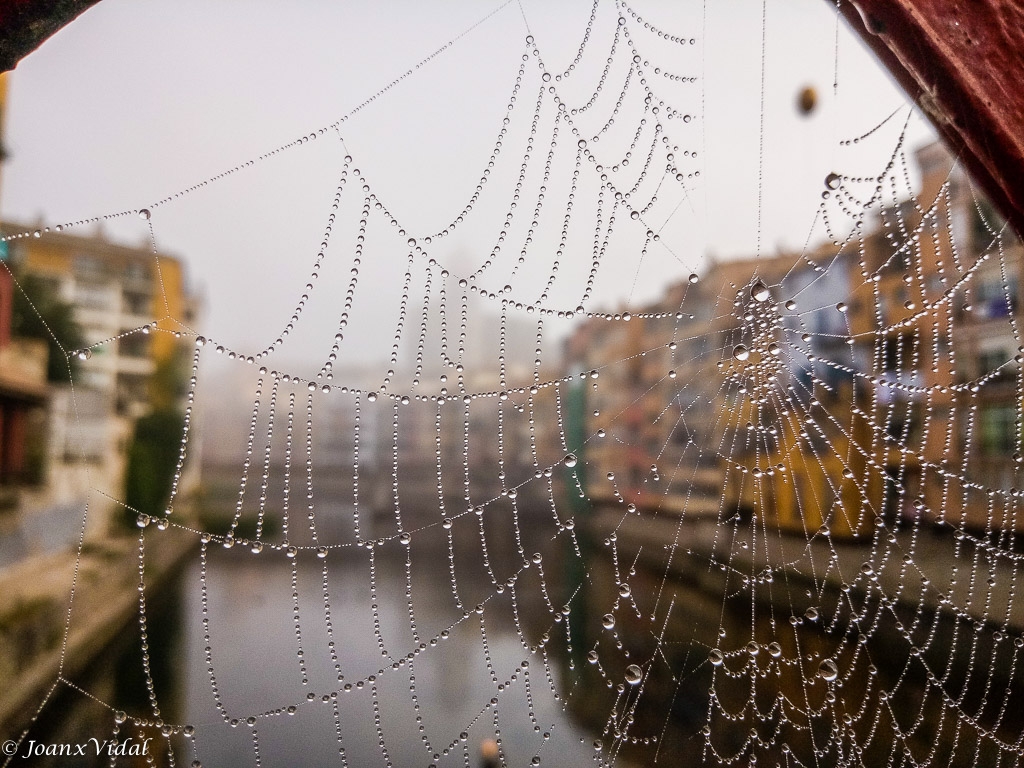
(832, 180)
(774, 650)
(570, 460)
(828, 671)
(624, 590)
(740, 352)
(84, 354)
(716, 657)
(592, 657)
(759, 291)
(693, 278)
(634, 674)
(120, 716)
(144, 214)
(608, 622)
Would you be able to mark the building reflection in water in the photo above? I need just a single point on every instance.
(809, 689)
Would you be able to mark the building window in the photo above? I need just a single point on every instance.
(90, 267)
(92, 296)
(132, 390)
(990, 361)
(133, 345)
(136, 303)
(998, 430)
(994, 299)
(137, 271)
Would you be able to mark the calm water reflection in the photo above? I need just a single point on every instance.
(385, 604)
(448, 688)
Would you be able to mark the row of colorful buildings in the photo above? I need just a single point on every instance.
(64, 437)
(873, 378)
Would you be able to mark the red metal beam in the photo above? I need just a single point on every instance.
(962, 62)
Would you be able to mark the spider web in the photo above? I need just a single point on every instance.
(771, 515)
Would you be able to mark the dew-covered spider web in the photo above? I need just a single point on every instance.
(765, 512)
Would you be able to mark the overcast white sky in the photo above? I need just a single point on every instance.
(139, 99)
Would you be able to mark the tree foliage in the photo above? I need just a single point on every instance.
(38, 312)
(152, 460)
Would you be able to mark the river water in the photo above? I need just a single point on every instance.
(515, 670)
(475, 680)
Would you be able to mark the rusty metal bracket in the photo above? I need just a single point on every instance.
(962, 62)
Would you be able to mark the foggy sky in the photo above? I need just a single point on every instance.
(141, 99)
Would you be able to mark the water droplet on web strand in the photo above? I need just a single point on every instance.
(120, 716)
(142, 521)
(570, 460)
(693, 278)
(841, 306)
(84, 354)
(624, 590)
(790, 305)
(716, 657)
(740, 352)
(774, 650)
(144, 214)
(608, 622)
(759, 291)
(828, 671)
(833, 180)
(634, 674)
